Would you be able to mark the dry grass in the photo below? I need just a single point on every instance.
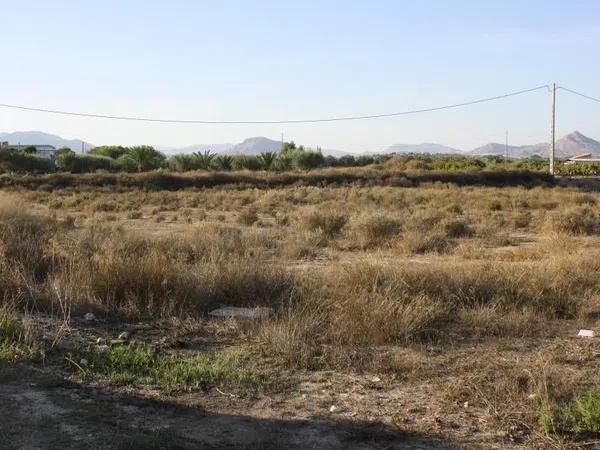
(361, 278)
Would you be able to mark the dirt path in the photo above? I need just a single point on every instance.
(40, 410)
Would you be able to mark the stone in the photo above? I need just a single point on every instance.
(259, 312)
(124, 335)
(586, 333)
(89, 316)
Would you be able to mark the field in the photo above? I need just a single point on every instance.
(407, 311)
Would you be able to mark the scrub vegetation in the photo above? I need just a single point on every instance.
(465, 292)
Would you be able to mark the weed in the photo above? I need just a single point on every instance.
(139, 363)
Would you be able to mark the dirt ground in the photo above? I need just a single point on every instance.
(45, 405)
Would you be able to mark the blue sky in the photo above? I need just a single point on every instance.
(261, 60)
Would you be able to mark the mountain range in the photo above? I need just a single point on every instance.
(249, 146)
(572, 144)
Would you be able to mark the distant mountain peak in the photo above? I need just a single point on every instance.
(572, 144)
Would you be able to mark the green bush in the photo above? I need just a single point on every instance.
(13, 161)
(183, 162)
(111, 151)
(246, 162)
(83, 163)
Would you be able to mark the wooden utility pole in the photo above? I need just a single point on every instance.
(552, 129)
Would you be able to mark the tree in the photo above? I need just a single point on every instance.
(77, 163)
(62, 151)
(204, 159)
(267, 159)
(29, 150)
(224, 162)
(146, 157)
(183, 162)
(306, 160)
(112, 151)
(246, 162)
(284, 161)
(288, 147)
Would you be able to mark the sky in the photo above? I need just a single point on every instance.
(282, 60)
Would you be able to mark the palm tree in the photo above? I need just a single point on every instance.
(224, 162)
(204, 159)
(146, 157)
(267, 159)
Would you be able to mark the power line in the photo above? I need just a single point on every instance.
(579, 93)
(266, 122)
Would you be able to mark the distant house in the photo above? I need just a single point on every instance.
(43, 151)
(583, 158)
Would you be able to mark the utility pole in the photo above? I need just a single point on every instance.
(281, 141)
(506, 147)
(552, 129)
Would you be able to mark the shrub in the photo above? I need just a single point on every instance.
(307, 160)
(329, 224)
(110, 151)
(582, 220)
(416, 242)
(183, 162)
(246, 162)
(582, 415)
(146, 157)
(376, 230)
(17, 339)
(248, 216)
(457, 228)
(77, 163)
(25, 239)
(14, 161)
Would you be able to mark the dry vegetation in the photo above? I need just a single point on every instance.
(468, 298)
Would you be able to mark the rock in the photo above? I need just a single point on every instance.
(465, 404)
(375, 379)
(586, 333)
(83, 362)
(252, 313)
(124, 335)
(89, 317)
(332, 409)
(100, 341)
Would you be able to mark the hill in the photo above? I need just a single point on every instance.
(434, 149)
(570, 145)
(514, 151)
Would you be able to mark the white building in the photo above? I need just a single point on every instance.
(43, 151)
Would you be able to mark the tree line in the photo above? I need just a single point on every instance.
(144, 158)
